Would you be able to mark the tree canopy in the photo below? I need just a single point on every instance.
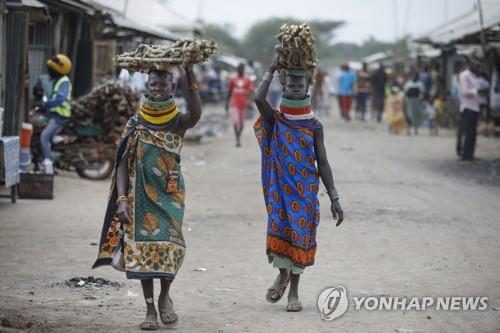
(221, 33)
(259, 41)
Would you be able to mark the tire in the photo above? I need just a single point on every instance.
(89, 171)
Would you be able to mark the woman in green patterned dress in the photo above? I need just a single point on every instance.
(142, 232)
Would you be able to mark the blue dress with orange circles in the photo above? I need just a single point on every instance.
(290, 181)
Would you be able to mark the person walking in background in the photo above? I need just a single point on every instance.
(494, 93)
(240, 88)
(347, 80)
(318, 93)
(430, 112)
(329, 91)
(435, 80)
(363, 92)
(204, 86)
(378, 81)
(414, 92)
(394, 113)
(454, 106)
(425, 77)
(484, 87)
(136, 80)
(470, 107)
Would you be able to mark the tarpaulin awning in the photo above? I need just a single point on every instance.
(378, 56)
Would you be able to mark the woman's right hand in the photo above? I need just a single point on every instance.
(123, 212)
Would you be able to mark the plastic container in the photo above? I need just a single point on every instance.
(24, 158)
(26, 132)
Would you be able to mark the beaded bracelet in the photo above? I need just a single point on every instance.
(121, 198)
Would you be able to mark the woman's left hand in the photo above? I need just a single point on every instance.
(337, 212)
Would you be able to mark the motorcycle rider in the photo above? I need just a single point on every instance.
(58, 106)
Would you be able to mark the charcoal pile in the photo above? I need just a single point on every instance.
(108, 106)
(183, 52)
(91, 282)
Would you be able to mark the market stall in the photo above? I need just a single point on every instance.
(9, 164)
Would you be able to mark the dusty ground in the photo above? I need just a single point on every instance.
(418, 223)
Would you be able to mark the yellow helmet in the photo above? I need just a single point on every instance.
(60, 63)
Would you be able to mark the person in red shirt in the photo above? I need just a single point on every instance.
(240, 88)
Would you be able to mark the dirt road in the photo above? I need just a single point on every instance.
(417, 223)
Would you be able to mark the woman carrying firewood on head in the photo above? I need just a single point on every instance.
(142, 232)
(293, 160)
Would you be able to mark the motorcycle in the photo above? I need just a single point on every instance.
(84, 149)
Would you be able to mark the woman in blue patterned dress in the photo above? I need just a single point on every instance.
(293, 160)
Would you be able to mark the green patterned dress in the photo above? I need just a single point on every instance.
(153, 245)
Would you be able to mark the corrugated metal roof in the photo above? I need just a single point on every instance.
(155, 14)
(123, 22)
(33, 3)
(463, 26)
(76, 4)
(38, 11)
(132, 25)
(26, 3)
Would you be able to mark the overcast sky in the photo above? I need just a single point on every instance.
(363, 17)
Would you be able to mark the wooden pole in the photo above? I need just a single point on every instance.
(76, 42)
(2, 56)
(482, 33)
(396, 25)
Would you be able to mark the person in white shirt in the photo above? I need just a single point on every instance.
(469, 107)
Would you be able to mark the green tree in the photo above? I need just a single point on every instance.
(324, 32)
(259, 42)
(351, 51)
(222, 35)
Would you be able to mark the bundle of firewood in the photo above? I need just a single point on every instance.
(184, 52)
(296, 49)
(108, 106)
